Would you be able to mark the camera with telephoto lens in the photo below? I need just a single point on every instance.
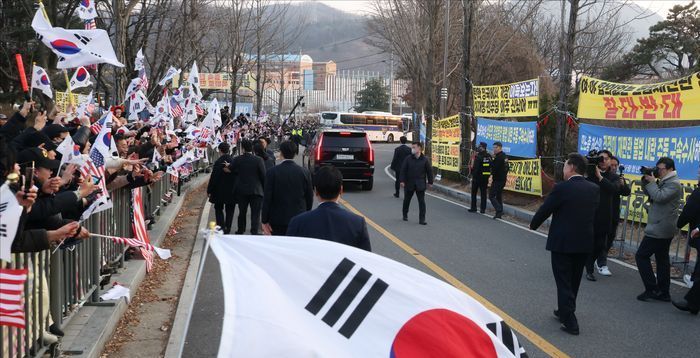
(593, 158)
(654, 171)
(621, 168)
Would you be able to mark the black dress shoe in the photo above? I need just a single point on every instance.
(55, 330)
(405, 218)
(472, 210)
(483, 211)
(396, 195)
(239, 232)
(683, 305)
(570, 330)
(498, 216)
(556, 315)
(661, 296)
(645, 296)
(423, 223)
(590, 277)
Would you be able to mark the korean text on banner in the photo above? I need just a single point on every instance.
(448, 129)
(220, 81)
(672, 100)
(62, 101)
(518, 138)
(446, 156)
(519, 99)
(637, 147)
(446, 139)
(525, 176)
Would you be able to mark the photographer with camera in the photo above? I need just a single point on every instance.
(662, 214)
(598, 173)
(623, 189)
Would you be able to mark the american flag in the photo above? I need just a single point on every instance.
(96, 127)
(175, 108)
(11, 306)
(91, 25)
(139, 227)
(199, 110)
(144, 79)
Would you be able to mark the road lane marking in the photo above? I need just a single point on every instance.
(529, 334)
(611, 259)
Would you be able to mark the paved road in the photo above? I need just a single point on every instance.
(508, 267)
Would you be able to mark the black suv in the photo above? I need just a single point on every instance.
(348, 150)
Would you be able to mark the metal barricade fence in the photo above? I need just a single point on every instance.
(60, 283)
(630, 231)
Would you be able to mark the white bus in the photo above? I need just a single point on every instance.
(380, 126)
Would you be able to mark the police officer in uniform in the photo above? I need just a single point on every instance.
(481, 171)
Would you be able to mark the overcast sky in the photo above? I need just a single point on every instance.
(362, 6)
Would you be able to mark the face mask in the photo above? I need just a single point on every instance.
(413, 151)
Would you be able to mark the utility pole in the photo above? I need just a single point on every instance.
(567, 51)
(391, 83)
(468, 16)
(443, 90)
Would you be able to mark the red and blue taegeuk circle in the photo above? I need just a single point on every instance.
(44, 79)
(82, 74)
(85, 3)
(65, 47)
(441, 333)
(107, 139)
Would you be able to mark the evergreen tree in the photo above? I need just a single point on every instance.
(374, 97)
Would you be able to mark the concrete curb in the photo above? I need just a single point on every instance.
(466, 198)
(96, 324)
(178, 333)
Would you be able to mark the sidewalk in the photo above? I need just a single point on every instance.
(87, 333)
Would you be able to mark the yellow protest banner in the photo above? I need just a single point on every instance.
(446, 139)
(519, 99)
(525, 176)
(219, 81)
(671, 100)
(448, 130)
(61, 100)
(446, 156)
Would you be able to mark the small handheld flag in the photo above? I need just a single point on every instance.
(81, 78)
(40, 81)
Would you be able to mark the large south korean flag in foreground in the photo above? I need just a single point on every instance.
(295, 297)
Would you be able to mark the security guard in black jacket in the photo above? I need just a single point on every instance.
(499, 173)
(481, 171)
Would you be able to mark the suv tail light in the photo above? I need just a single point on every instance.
(318, 148)
(371, 150)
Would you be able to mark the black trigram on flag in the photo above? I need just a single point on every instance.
(347, 296)
(506, 335)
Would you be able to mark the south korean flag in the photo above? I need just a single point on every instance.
(300, 297)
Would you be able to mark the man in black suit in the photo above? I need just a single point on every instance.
(415, 172)
(573, 204)
(330, 221)
(499, 174)
(220, 189)
(400, 154)
(288, 192)
(250, 178)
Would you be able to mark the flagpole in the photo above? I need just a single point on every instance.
(205, 251)
(70, 94)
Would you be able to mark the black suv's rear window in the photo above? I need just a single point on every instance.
(346, 140)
